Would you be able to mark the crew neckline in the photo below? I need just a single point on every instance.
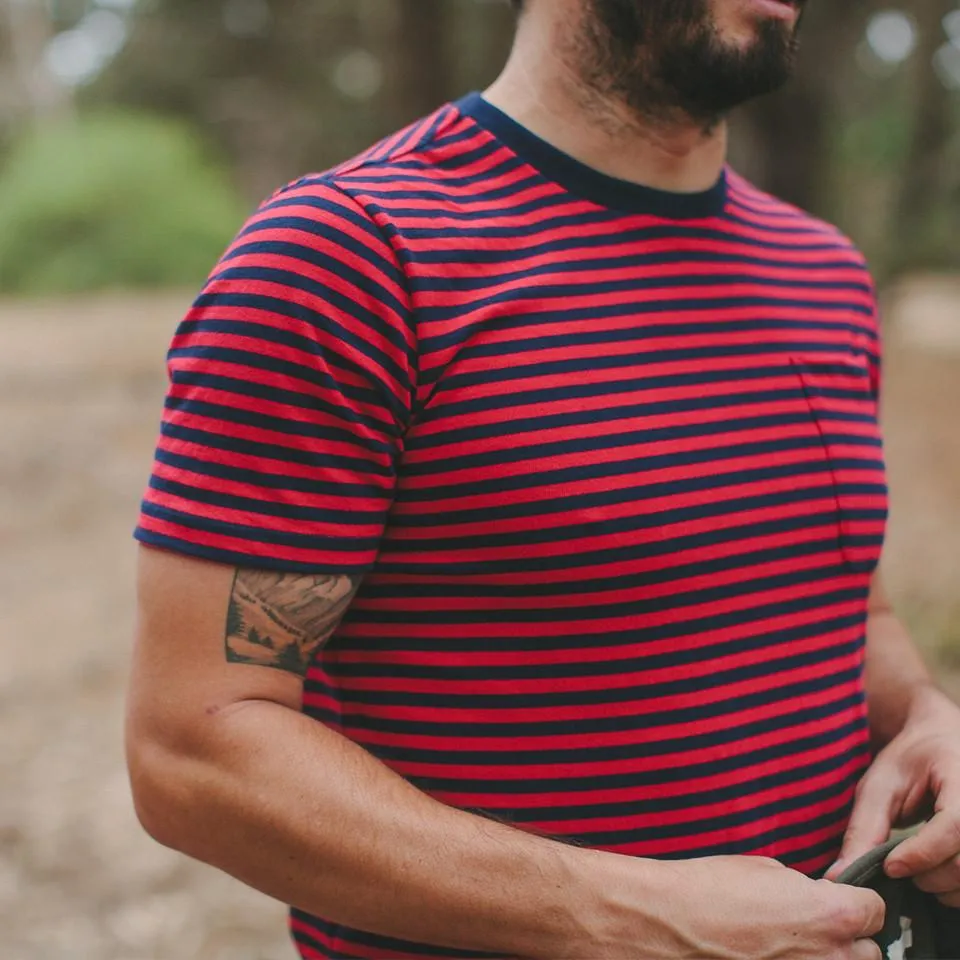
(586, 182)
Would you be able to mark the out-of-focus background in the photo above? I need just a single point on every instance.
(135, 136)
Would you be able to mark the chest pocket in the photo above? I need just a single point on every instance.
(839, 392)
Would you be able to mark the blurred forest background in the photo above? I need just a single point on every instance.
(106, 105)
(135, 137)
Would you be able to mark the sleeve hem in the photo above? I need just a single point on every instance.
(249, 560)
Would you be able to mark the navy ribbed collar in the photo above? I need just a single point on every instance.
(586, 182)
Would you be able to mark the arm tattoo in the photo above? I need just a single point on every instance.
(280, 620)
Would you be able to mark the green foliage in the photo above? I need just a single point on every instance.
(111, 200)
(876, 141)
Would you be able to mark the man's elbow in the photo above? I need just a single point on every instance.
(174, 771)
(184, 773)
(158, 786)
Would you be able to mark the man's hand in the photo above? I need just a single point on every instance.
(731, 907)
(918, 772)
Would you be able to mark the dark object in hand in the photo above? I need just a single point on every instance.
(918, 926)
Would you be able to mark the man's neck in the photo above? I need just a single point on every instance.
(542, 90)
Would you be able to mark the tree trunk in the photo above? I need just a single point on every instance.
(421, 74)
(789, 134)
(39, 96)
(792, 131)
(923, 175)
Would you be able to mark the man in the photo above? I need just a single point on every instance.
(535, 455)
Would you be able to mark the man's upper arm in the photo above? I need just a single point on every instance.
(291, 380)
(210, 636)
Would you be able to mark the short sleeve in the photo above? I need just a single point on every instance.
(290, 384)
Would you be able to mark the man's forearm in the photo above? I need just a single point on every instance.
(896, 677)
(309, 818)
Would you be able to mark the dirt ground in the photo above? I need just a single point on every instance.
(80, 392)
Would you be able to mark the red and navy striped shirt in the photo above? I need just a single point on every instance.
(608, 458)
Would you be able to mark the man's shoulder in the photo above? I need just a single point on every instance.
(408, 163)
(417, 142)
(757, 206)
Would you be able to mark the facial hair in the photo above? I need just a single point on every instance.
(666, 62)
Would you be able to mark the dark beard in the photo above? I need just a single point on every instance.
(664, 60)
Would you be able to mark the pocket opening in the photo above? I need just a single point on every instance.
(829, 386)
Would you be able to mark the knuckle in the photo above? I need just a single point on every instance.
(858, 916)
(845, 916)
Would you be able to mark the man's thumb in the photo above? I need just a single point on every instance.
(879, 797)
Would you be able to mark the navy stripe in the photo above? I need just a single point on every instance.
(295, 311)
(622, 412)
(588, 288)
(292, 398)
(320, 372)
(735, 817)
(805, 488)
(769, 238)
(376, 290)
(759, 370)
(575, 783)
(344, 545)
(268, 482)
(330, 211)
(512, 270)
(634, 438)
(643, 689)
(271, 451)
(688, 770)
(422, 187)
(346, 304)
(200, 410)
(226, 501)
(679, 657)
(630, 465)
(643, 546)
(645, 332)
(697, 797)
(756, 614)
(380, 942)
(748, 843)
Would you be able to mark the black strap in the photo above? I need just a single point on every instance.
(934, 928)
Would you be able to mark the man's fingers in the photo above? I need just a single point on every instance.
(951, 900)
(937, 843)
(879, 798)
(942, 879)
(866, 950)
(860, 912)
(866, 911)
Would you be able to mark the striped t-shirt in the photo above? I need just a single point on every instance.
(609, 459)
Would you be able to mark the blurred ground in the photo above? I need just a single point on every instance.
(80, 393)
